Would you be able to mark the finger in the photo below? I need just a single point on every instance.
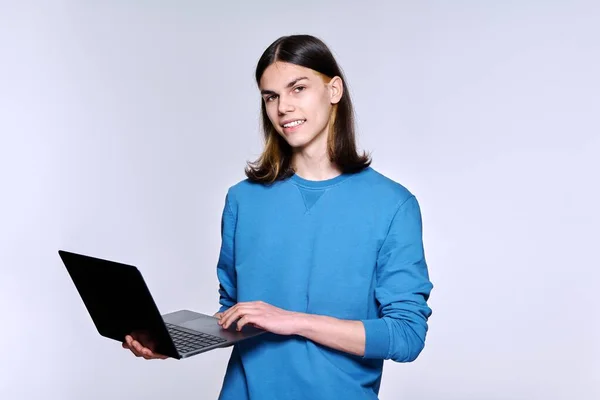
(133, 345)
(147, 354)
(241, 313)
(150, 355)
(235, 307)
(231, 318)
(137, 346)
(225, 316)
(236, 312)
(135, 352)
(243, 322)
(128, 344)
(229, 311)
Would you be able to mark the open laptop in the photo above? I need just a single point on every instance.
(119, 303)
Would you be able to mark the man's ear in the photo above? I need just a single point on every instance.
(336, 89)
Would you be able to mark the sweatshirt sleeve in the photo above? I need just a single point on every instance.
(402, 290)
(225, 266)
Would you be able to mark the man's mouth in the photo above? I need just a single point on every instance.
(294, 123)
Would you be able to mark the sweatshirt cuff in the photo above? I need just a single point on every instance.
(377, 341)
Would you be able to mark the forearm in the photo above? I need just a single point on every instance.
(343, 335)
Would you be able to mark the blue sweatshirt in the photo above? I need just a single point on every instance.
(349, 247)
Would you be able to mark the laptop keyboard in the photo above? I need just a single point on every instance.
(185, 341)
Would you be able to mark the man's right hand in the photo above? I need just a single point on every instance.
(141, 351)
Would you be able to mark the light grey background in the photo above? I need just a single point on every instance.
(123, 124)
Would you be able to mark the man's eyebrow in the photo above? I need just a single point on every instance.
(289, 85)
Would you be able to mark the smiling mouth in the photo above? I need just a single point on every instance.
(294, 123)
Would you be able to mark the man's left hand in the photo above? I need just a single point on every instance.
(262, 316)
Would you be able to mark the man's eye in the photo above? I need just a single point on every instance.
(299, 89)
(271, 98)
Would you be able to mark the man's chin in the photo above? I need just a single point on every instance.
(296, 144)
(301, 143)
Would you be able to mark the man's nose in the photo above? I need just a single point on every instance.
(285, 105)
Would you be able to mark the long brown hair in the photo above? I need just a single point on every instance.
(275, 161)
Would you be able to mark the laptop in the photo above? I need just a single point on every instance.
(119, 303)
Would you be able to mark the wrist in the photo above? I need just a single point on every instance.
(302, 323)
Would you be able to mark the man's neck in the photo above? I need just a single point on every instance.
(316, 167)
